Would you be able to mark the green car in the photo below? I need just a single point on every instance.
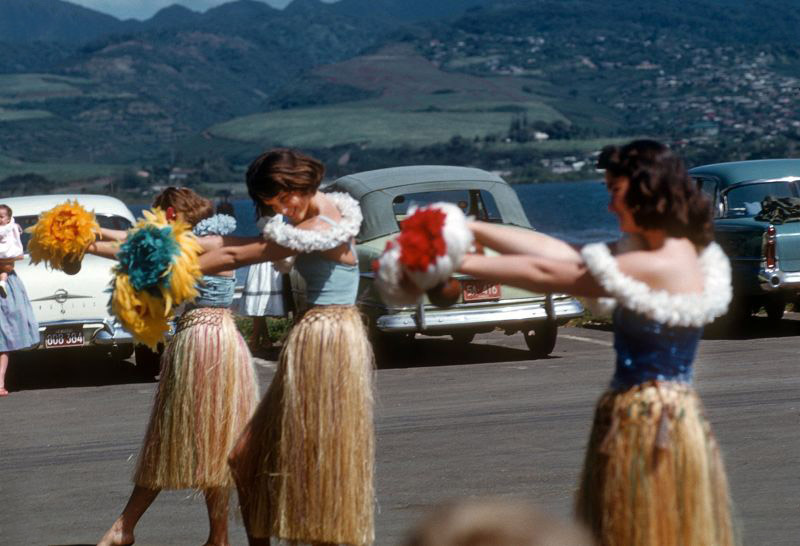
(757, 223)
(385, 196)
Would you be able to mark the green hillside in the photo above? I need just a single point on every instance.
(418, 105)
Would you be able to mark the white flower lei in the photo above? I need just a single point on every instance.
(306, 240)
(670, 309)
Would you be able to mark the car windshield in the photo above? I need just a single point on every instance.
(746, 200)
(479, 204)
(108, 221)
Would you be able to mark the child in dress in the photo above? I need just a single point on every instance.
(10, 243)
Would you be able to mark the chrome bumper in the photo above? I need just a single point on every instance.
(444, 320)
(95, 332)
(773, 280)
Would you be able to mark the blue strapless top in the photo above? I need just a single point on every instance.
(327, 282)
(214, 291)
(650, 350)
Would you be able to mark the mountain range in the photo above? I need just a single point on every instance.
(78, 84)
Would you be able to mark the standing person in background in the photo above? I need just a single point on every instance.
(10, 243)
(653, 474)
(304, 464)
(206, 393)
(262, 296)
(18, 326)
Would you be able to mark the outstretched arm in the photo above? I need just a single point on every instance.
(513, 240)
(240, 251)
(533, 273)
(104, 249)
(113, 234)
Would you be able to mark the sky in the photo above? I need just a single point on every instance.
(144, 9)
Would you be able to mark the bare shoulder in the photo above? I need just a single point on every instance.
(675, 267)
(314, 224)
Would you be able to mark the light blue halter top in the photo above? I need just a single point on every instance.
(328, 282)
(214, 291)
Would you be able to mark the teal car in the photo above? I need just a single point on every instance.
(385, 196)
(756, 223)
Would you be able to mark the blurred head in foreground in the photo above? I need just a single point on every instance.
(494, 522)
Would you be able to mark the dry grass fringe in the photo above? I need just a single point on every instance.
(206, 395)
(312, 443)
(653, 473)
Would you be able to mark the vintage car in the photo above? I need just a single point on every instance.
(385, 196)
(762, 244)
(72, 309)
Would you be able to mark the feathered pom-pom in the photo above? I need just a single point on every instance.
(61, 235)
(157, 271)
(431, 244)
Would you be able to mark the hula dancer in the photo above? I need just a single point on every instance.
(207, 389)
(653, 473)
(304, 464)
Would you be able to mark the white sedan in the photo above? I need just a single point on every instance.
(72, 310)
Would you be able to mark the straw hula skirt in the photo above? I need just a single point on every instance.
(306, 458)
(206, 395)
(653, 473)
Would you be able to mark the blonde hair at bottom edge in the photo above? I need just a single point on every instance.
(495, 522)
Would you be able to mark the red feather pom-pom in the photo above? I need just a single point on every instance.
(421, 239)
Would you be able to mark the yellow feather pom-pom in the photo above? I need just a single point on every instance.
(61, 235)
(146, 312)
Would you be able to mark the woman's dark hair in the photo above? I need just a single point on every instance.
(282, 170)
(661, 195)
(191, 207)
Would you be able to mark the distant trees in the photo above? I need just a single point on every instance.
(25, 184)
(523, 130)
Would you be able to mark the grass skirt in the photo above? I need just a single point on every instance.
(205, 397)
(307, 456)
(653, 473)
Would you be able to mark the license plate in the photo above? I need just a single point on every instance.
(480, 291)
(56, 338)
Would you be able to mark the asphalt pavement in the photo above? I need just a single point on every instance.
(452, 421)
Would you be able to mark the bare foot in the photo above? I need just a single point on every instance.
(116, 536)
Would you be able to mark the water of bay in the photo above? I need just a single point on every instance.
(574, 211)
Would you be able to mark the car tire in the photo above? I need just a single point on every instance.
(463, 338)
(541, 338)
(775, 307)
(121, 352)
(148, 362)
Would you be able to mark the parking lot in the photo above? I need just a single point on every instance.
(451, 421)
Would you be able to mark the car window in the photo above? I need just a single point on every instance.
(477, 203)
(746, 200)
(710, 187)
(108, 221)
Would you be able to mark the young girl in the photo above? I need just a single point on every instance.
(10, 243)
(18, 326)
(262, 297)
(652, 473)
(304, 464)
(206, 393)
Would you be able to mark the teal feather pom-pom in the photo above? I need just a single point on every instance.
(146, 256)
